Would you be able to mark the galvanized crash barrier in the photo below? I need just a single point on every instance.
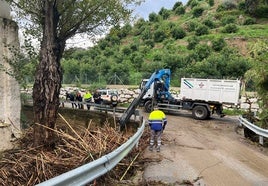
(89, 172)
(259, 131)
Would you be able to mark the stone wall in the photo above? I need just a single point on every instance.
(10, 104)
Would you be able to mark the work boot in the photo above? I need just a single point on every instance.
(158, 149)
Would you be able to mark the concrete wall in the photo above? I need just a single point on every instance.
(10, 104)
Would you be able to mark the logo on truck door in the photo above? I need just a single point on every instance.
(201, 85)
(187, 83)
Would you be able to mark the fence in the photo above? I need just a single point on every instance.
(259, 131)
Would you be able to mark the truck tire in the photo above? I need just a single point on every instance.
(200, 112)
(148, 106)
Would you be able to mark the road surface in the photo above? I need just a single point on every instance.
(210, 152)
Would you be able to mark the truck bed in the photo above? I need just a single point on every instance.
(210, 90)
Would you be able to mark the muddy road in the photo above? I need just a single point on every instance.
(212, 152)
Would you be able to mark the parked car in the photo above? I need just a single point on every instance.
(109, 96)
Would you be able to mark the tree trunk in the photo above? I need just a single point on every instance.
(48, 79)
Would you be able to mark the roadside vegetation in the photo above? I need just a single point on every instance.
(202, 39)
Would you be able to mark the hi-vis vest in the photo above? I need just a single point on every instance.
(157, 119)
(87, 96)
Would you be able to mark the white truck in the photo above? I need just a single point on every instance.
(203, 97)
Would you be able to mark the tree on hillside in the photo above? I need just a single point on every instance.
(258, 8)
(53, 22)
(259, 75)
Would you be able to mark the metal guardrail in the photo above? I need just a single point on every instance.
(259, 131)
(89, 172)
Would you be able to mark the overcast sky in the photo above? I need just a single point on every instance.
(150, 6)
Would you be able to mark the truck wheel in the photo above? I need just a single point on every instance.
(148, 106)
(200, 112)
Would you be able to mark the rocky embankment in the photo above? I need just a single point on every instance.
(127, 94)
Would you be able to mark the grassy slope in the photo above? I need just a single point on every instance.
(242, 39)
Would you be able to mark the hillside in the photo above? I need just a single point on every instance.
(204, 39)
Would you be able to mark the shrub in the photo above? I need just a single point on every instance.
(159, 35)
(192, 25)
(165, 13)
(192, 3)
(226, 5)
(146, 34)
(242, 6)
(153, 17)
(249, 21)
(192, 42)
(209, 23)
(178, 33)
(230, 28)
(149, 42)
(180, 10)
(125, 30)
(218, 44)
(126, 50)
(211, 2)
(197, 11)
(201, 30)
(202, 51)
(228, 19)
(262, 11)
(176, 5)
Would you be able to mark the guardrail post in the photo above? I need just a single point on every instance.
(261, 140)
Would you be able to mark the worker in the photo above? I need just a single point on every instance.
(157, 122)
(87, 98)
(97, 97)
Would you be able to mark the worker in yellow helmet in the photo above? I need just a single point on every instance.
(157, 122)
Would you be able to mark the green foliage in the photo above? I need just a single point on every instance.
(159, 35)
(176, 5)
(257, 8)
(227, 5)
(228, 20)
(179, 45)
(20, 66)
(262, 11)
(234, 112)
(259, 74)
(164, 13)
(230, 28)
(219, 65)
(202, 51)
(153, 17)
(201, 30)
(192, 3)
(146, 34)
(209, 23)
(125, 30)
(218, 44)
(249, 21)
(192, 42)
(197, 11)
(126, 50)
(211, 2)
(149, 42)
(242, 6)
(192, 25)
(180, 10)
(178, 33)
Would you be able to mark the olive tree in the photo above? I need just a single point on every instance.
(53, 22)
(259, 75)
